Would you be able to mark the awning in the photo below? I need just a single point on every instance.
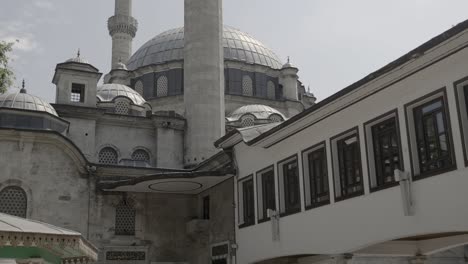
(29, 239)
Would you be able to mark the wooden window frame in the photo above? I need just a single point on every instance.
(241, 202)
(282, 190)
(461, 98)
(337, 178)
(307, 177)
(370, 149)
(261, 199)
(439, 94)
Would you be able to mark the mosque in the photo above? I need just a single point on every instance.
(203, 146)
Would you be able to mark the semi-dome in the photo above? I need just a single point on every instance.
(25, 101)
(258, 111)
(108, 92)
(238, 46)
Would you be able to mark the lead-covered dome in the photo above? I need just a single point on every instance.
(25, 101)
(108, 92)
(258, 111)
(238, 46)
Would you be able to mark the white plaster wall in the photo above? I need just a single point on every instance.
(374, 217)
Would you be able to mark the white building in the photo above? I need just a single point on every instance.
(327, 174)
(132, 166)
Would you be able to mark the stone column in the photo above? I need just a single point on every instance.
(203, 78)
(122, 28)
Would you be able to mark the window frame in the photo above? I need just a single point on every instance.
(369, 145)
(412, 138)
(283, 211)
(240, 201)
(261, 218)
(82, 88)
(336, 164)
(462, 113)
(305, 168)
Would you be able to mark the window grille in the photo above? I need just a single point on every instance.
(162, 86)
(108, 155)
(139, 87)
(122, 108)
(125, 218)
(247, 87)
(271, 90)
(247, 121)
(141, 155)
(77, 93)
(13, 201)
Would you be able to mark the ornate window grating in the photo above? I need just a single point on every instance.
(248, 121)
(271, 90)
(125, 255)
(108, 155)
(276, 118)
(141, 155)
(13, 201)
(125, 218)
(247, 87)
(162, 86)
(139, 87)
(122, 108)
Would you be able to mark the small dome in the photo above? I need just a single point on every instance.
(108, 92)
(288, 64)
(78, 59)
(25, 101)
(259, 111)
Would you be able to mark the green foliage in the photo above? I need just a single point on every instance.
(6, 74)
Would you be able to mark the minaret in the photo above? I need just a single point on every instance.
(203, 78)
(122, 28)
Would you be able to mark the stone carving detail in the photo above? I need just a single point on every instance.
(122, 24)
(125, 255)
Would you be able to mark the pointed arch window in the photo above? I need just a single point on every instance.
(247, 86)
(13, 201)
(271, 90)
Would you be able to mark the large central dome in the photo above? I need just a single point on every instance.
(238, 46)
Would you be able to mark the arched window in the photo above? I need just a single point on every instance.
(122, 107)
(141, 155)
(13, 201)
(247, 120)
(271, 90)
(125, 218)
(276, 118)
(139, 87)
(161, 86)
(108, 155)
(247, 87)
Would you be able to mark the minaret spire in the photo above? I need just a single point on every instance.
(122, 28)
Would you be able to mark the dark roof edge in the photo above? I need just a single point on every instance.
(372, 76)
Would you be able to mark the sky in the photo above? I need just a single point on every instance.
(334, 43)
